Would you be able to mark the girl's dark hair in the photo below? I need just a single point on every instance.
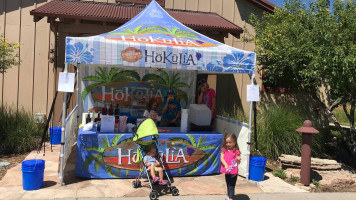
(150, 103)
(150, 147)
(231, 136)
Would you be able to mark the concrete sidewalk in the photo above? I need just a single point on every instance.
(197, 187)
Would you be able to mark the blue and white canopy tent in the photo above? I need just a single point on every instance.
(153, 39)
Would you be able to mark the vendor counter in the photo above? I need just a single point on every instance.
(113, 155)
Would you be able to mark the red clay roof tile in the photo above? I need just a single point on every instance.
(122, 13)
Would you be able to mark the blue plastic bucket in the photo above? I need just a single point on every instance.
(32, 174)
(257, 168)
(55, 135)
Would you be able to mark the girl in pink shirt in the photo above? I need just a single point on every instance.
(207, 96)
(230, 158)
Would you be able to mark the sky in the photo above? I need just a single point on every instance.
(279, 3)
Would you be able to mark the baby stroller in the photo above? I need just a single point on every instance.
(147, 134)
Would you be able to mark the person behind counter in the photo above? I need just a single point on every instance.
(171, 110)
(207, 96)
(151, 110)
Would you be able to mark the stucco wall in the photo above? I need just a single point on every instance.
(32, 84)
(29, 85)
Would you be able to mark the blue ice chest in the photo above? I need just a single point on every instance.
(257, 168)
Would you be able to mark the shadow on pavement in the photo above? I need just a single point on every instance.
(49, 184)
(241, 197)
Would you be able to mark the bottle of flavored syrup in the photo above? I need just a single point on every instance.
(117, 111)
(104, 110)
(88, 119)
(98, 122)
(111, 109)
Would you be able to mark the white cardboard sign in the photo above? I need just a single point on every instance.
(107, 124)
(66, 82)
(253, 93)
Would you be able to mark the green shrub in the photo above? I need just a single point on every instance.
(19, 132)
(276, 127)
(315, 182)
(294, 178)
(235, 113)
(276, 131)
(279, 173)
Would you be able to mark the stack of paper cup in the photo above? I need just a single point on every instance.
(122, 124)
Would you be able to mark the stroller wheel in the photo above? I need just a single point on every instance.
(174, 191)
(136, 184)
(153, 195)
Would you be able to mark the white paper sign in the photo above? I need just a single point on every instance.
(66, 82)
(253, 93)
(107, 123)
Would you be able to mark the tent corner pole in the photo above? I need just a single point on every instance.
(61, 154)
(248, 153)
(78, 97)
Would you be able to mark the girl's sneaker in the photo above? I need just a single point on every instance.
(156, 179)
(162, 182)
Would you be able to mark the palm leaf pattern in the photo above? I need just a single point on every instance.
(201, 145)
(165, 77)
(157, 29)
(98, 157)
(154, 78)
(194, 169)
(88, 89)
(110, 171)
(137, 29)
(115, 140)
(188, 34)
(126, 75)
(153, 29)
(99, 162)
(179, 139)
(90, 159)
(97, 149)
(192, 140)
(102, 77)
(106, 141)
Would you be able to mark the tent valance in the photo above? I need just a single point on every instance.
(154, 39)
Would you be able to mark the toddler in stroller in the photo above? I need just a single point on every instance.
(153, 165)
(146, 141)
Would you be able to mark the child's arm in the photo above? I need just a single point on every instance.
(238, 157)
(223, 160)
(157, 163)
(145, 161)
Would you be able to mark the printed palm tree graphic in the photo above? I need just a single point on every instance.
(98, 157)
(158, 29)
(102, 77)
(171, 82)
(200, 145)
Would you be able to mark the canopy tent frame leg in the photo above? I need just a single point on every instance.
(248, 153)
(61, 154)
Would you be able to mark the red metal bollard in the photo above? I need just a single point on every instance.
(306, 131)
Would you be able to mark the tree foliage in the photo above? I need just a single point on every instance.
(8, 55)
(308, 47)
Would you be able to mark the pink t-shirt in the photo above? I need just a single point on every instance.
(208, 100)
(231, 161)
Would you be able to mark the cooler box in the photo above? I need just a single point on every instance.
(199, 117)
(199, 114)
